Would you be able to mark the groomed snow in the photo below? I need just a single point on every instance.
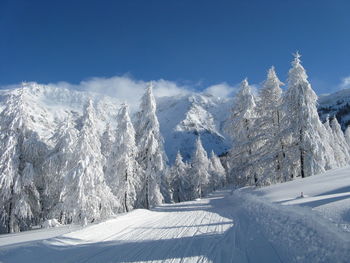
(245, 225)
(336, 181)
(327, 194)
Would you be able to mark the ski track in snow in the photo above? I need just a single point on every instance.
(225, 227)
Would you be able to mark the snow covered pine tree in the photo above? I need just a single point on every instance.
(86, 196)
(347, 135)
(240, 127)
(151, 155)
(305, 136)
(56, 166)
(180, 180)
(199, 172)
(340, 146)
(107, 140)
(124, 175)
(19, 197)
(217, 172)
(270, 148)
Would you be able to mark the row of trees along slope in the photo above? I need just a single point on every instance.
(278, 136)
(86, 177)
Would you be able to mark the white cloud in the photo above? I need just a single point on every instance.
(125, 88)
(345, 83)
(222, 90)
(164, 88)
(130, 90)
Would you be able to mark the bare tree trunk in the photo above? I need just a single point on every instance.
(147, 192)
(301, 155)
(126, 193)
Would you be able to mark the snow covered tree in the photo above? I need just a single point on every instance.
(124, 175)
(270, 152)
(347, 135)
(330, 143)
(107, 140)
(199, 171)
(166, 185)
(304, 133)
(180, 180)
(19, 197)
(85, 196)
(217, 172)
(240, 127)
(340, 146)
(151, 155)
(58, 162)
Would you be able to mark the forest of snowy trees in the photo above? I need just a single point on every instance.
(87, 176)
(278, 136)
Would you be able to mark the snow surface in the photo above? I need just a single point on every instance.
(271, 224)
(51, 223)
(334, 181)
(327, 193)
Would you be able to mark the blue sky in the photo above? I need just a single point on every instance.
(194, 43)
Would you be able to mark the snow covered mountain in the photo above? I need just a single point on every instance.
(336, 104)
(47, 106)
(182, 118)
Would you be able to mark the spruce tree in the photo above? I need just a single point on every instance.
(85, 196)
(240, 127)
(107, 140)
(217, 172)
(56, 165)
(19, 197)
(304, 133)
(342, 149)
(199, 171)
(151, 155)
(270, 148)
(347, 135)
(180, 180)
(124, 175)
(333, 146)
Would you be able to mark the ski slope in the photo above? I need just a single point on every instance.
(246, 225)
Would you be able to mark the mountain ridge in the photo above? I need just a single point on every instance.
(182, 118)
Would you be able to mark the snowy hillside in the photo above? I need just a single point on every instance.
(181, 118)
(271, 224)
(336, 104)
(327, 194)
